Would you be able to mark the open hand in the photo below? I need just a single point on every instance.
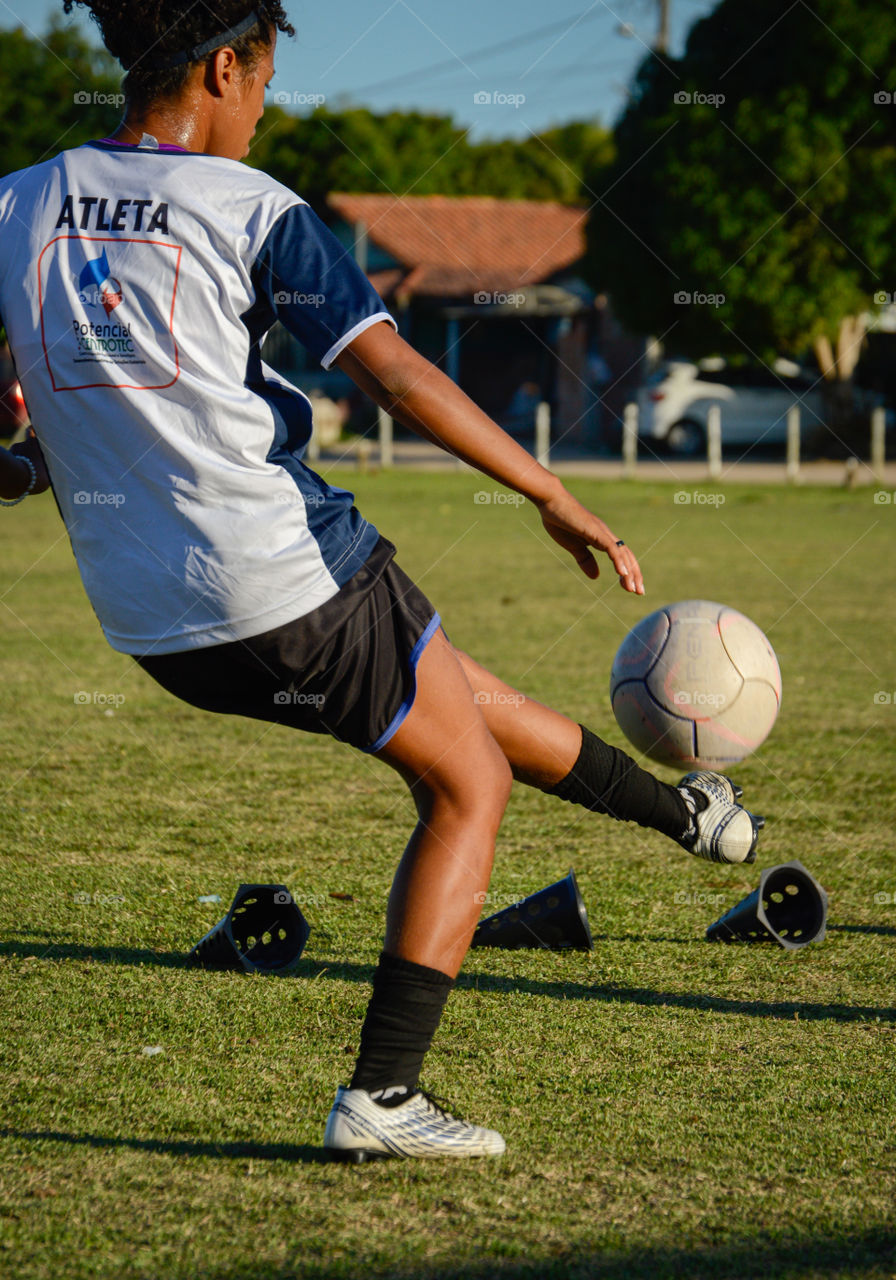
(577, 530)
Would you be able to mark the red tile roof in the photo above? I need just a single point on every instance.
(453, 246)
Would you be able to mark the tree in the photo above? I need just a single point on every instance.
(58, 91)
(411, 153)
(55, 92)
(756, 175)
(355, 150)
(577, 149)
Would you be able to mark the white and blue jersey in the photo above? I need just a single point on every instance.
(136, 287)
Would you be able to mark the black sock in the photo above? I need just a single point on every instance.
(402, 1017)
(606, 780)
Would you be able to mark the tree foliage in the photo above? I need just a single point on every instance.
(758, 167)
(59, 91)
(410, 153)
(55, 93)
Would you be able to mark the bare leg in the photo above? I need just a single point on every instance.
(540, 744)
(460, 781)
(548, 750)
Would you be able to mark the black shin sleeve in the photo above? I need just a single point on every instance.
(402, 1018)
(606, 780)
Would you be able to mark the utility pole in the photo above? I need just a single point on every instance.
(661, 39)
(661, 43)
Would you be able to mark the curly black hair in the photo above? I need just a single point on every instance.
(150, 30)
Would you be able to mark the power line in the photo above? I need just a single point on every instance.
(571, 71)
(579, 68)
(412, 76)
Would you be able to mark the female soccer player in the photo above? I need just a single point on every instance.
(139, 275)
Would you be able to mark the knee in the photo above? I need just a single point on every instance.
(500, 780)
(485, 788)
(494, 786)
(479, 790)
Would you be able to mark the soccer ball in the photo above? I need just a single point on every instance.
(696, 684)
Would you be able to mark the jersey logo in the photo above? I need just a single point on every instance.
(106, 290)
(87, 340)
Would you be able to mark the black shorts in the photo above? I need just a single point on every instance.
(348, 668)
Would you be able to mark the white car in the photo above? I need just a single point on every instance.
(674, 404)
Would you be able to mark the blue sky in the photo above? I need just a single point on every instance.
(541, 64)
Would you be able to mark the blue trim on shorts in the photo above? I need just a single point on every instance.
(398, 719)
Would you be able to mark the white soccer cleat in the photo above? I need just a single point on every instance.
(359, 1129)
(725, 832)
(714, 784)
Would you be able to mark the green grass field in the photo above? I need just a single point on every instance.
(671, 1107)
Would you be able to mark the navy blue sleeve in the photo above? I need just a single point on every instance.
(313, 284)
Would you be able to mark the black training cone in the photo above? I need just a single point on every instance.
(555, 918)
(789, 907)
(263, 932)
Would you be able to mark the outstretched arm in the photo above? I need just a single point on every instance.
(422, 398)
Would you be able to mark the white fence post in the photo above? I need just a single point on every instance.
(714, 440)
(793, 443)
(878, 442)
(543, 434)
(385, 430)
(630, 440)
(363, 452)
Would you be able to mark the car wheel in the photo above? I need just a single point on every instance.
(686, 438)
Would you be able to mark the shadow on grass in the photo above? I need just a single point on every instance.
(640, 937)
(612, 994)
(102, 955)
(347, 971)
(866, 1253)
(882, 930)
(181, 1147)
